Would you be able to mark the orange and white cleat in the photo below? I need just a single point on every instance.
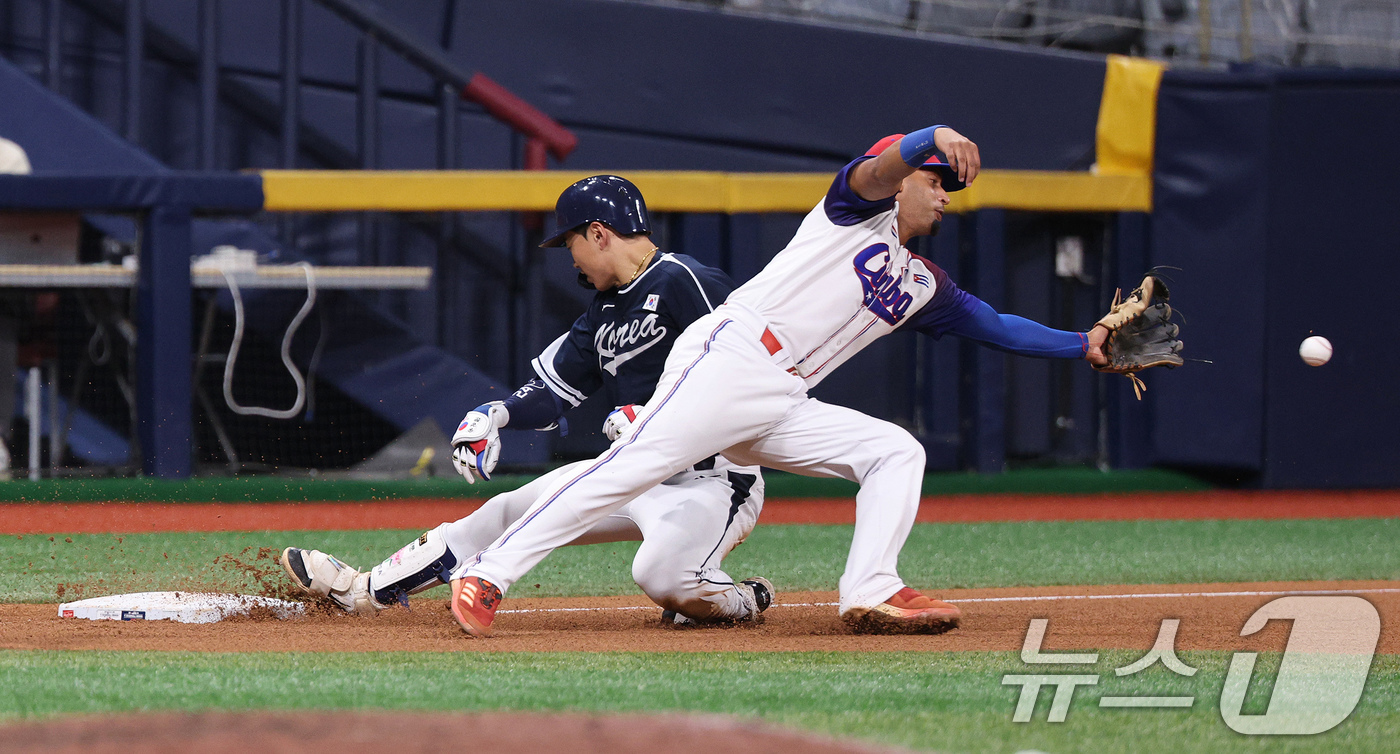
(907, 612)
(474, 603)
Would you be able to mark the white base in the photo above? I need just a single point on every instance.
(182, 607)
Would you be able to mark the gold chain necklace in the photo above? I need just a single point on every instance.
(637, 272)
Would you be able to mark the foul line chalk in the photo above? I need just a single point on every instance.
(1042, 598)
(1279, 593)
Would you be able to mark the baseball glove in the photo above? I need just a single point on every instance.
(1140, 332)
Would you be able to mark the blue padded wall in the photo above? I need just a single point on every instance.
(784, 86)
(1274, 192)
(694, 74)
(1333, 232)
(1210, 217)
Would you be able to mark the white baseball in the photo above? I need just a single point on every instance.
(1315, 350)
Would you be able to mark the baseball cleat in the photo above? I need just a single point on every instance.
(763, 593)
(474, 603)
(756, 591)
(321, 575)
(907, 612)
(293, 563)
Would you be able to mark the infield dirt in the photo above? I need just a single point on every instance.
(1098, 617)
(1218, 505)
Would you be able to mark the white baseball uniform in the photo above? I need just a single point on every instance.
(688, 521)
(736, 383)
(687, 525)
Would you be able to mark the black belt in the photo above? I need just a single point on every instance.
(706, 465)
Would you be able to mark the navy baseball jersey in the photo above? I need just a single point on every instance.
(620, 344)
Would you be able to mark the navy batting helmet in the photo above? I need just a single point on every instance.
(608, 199)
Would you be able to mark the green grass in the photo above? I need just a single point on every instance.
(795, 558)
(944, 701)
(950, 702)
(278, 489)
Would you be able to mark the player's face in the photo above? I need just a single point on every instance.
(921, 203)
(592, 262)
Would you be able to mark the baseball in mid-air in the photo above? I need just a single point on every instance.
(1315, 350)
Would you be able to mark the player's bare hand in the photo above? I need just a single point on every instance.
(1094, 353)
(961, 152)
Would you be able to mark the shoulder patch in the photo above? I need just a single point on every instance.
(653, 299)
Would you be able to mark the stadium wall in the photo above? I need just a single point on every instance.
(1274, 194)
(787, 96)
(770, 95)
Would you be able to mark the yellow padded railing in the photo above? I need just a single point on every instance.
(672, 191)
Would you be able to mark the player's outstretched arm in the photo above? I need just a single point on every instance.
(1018, 335)
(881, 177)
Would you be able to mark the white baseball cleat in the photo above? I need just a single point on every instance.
(757, 593)
(321, 575)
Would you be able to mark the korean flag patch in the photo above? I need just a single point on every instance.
(652, 300)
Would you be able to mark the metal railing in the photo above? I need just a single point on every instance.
(544, 136)
(301, 142)
(133, 38)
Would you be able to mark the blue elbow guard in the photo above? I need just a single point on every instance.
(917, 147)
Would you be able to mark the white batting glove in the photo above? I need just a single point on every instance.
(477, 445)
(619, 420)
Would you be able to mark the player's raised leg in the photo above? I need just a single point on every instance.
(820, 439)
(692, 415)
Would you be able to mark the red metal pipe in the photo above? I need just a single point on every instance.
(536, 157)
(520, 115)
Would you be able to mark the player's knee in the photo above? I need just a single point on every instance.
(897, 451)
(668, 587)
(910, 450)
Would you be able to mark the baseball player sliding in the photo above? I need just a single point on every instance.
(736, 383)
(688, 521)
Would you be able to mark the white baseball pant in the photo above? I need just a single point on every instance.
(687, 525)
(723, 391)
